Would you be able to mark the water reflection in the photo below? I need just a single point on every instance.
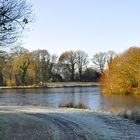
(120, 101)
(53, 97)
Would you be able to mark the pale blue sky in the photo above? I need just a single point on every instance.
(88, 25)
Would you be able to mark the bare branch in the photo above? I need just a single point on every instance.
(14, 15)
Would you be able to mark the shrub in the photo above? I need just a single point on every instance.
(71, 105)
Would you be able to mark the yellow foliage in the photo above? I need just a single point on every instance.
(123, 74)
(10, 82)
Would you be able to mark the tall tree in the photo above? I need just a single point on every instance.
(23, 68)
(68, 58)
(81, 61)
(21, 65)
(41, 60)
(14, 15)
(110, 55)
(10, 67)
(99, 60)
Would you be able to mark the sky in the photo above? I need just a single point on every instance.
(89, 25)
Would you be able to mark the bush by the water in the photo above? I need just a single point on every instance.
(123, 74)
(71, 105)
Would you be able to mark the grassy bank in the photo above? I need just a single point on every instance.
(20, 87)
(55, 85)
(71, 84)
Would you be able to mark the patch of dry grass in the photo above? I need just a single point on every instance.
(71, 105)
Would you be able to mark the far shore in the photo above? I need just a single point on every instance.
(55, 85)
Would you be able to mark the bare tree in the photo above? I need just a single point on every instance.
(16, 51)
(81, 61)
(41, 62)
(14, 15)
(99, 60)
(69, 59)
(110, 57)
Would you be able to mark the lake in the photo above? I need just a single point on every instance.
(54, 97)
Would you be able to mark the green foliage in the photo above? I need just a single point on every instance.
(23, 68)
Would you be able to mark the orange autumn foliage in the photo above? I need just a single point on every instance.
(123, 74)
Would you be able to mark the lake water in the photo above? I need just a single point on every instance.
(54, 97)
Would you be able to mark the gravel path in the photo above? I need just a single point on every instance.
(30, 123)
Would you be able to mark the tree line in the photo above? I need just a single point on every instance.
(21, 67)
(117, 73)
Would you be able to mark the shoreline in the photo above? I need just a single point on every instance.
(55, 85)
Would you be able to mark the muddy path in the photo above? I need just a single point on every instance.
(29, 123)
